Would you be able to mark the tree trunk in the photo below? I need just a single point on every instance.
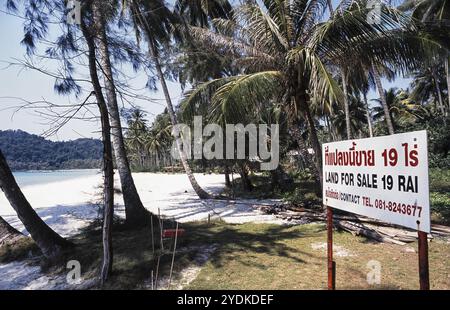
(50, 243)
(108, 167)
(314, 142)
(136, 214)
(438, 94)
(302, 148)
(369, 118)
(154, 56)
(346, 104)
(447, 73)
(8, 234)
(246, 183)
(330, 7)
(387, 114)
(227, 176)
(302, 101)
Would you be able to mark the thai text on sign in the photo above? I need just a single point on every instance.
(385, 178)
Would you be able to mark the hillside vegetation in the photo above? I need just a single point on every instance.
(25, 151)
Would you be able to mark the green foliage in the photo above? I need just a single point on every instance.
(440, 195)
(25, 151)
(440, 207)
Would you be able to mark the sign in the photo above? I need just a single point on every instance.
(385, 178)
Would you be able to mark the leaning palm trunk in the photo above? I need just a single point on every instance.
(315, 143)
(346, 104)
(135, 212)
(438, 94)
(369, 119)
(387, 114)
(8, 234)
(108, 168)
(50, 243)
(154, 55)
(227, 176)
(447, 73)
(303, 102)
(302, 149)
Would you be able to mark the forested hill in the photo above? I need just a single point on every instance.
(25, 151)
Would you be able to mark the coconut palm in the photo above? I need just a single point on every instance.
(200, 12)
(401, 108)
(435, 14)
(286, 53)
(156, 21)
(357, 117)
(51, 244)
(136, 135)
(136, 214)
(428, 85)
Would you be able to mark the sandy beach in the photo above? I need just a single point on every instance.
(69, 205)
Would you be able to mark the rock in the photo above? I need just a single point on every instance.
(409, 249)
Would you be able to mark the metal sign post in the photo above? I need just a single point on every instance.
(331, 263)
(424, 276)
(385, 178)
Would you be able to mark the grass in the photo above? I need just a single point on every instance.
(256, 256)
(19, 249)
(260, 256)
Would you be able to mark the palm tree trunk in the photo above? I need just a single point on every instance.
(302, 148)
(369, 118)
(246, 183)
(108, 167)
(50, 243)
(302, 102)
(314, 142)
(136, 214)
(227, 176)
(438, 94)
(387, 114)
(8, 234)
(447, 73)
(330, 7)
(154, 55)
(346, 104)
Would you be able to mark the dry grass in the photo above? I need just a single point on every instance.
(257, 256)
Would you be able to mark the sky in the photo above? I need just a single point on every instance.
(18, 84)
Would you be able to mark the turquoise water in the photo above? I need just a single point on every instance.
(26, 178)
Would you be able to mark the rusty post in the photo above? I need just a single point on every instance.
(331, 263)
(424, 277)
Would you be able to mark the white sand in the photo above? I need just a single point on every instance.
(69, 205)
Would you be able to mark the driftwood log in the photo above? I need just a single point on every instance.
(355, 224)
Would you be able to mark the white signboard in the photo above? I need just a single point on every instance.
(385, 178)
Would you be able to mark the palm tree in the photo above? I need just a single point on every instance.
(286, 54)
(200, 12)
(136, 136)
(401, 108)
(155, 22)
(108, 167)
(357, 117)
(428, 83)
(8, 234)
(435, 15)
(383, 100)
(136, 214)
(51, 244)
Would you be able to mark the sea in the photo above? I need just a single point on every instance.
(39, 177)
